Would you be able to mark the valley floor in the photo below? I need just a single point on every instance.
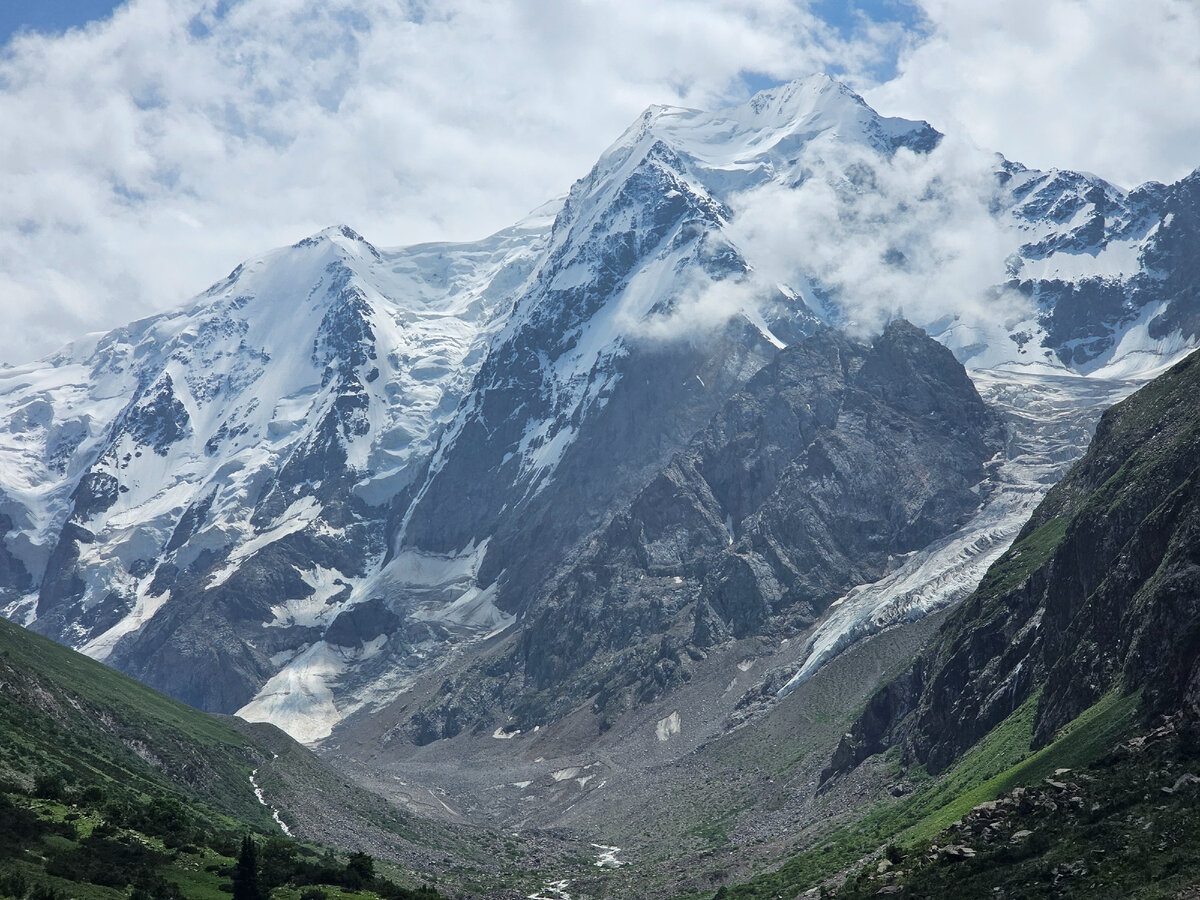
(719, 781)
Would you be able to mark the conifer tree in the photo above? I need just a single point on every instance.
(245, 873)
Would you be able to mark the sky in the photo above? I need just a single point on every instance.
(50, 16)
(152, 145)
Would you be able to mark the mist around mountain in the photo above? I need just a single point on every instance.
(592, 524)
(302, 491)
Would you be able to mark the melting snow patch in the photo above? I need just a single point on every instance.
(564, 774)
(745, 665)
(554, 890)
(144, 608)
(23, 611)
(298, 698)
(607, 858)
(297, 517)
(668, 726)
(258, 795)
(501, 735)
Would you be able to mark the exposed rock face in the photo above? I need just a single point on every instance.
(1101, 590)
(835, 458)
(1083, 316)
(14, 577)
(439, 434)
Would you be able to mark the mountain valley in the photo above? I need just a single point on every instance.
(714, 528)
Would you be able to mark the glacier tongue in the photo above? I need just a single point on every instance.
(1051, 418)
(341, 463)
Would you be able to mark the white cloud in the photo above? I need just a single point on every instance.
(907, 235)
(874, 237)
(144, 157)
(1107, 86)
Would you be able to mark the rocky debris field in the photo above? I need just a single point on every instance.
(1126, 826)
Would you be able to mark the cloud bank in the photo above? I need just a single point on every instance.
(910, 235)
(146, 156)
(865, 238)
(156, 151)
(1103, 86)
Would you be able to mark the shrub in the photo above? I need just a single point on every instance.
(50, 786)
(13, 884)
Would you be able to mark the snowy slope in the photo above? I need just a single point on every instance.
(641, 244)
(292, 399)
(335, 469)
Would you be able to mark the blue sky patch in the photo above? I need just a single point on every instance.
(50, 16)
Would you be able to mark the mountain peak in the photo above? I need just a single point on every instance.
(731, 148)
(811, 95)
(342, 236)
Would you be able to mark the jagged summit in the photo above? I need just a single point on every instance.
(342, 236)
(770, 127)
(821, 103)
(296, 494)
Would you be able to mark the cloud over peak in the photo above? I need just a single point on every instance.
(148, 154)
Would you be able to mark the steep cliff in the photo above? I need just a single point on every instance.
(1101, 590)
(837, 458)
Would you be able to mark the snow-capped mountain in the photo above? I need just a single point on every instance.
(341, 466)
(189, 454)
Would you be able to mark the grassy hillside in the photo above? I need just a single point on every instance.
(79, 724)
(1004, 760)
(1127, 825)
(109, 789)
(1086, 630)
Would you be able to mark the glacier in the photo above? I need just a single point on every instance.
(343, 467)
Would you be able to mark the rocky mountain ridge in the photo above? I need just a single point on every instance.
(836, 458)
(1096, 594)
(342, 465)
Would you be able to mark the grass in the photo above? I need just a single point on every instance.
(196, 881)
(998, 763)
(107, 786)
(69, 715)
(1002, 761)
(1127, 837)
(1023, 559)
(45, 847)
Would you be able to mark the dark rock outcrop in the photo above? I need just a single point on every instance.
(1101, 590)
(837, 456)
(14, 576)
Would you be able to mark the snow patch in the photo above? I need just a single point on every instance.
(298, 699)
(607, 858)
(667, 727)
(258, 795)
(144, 609)
(298, 516)
(553, 890)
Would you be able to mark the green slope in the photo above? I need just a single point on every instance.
(1085, 631)
(110, 789)
(70, 717)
